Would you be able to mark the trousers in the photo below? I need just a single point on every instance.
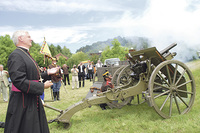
(3, 89)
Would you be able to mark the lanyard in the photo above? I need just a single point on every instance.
(33, 62)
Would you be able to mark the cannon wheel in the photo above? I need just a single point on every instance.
(115, 75)
(171, 88)
(119, 103)
(124, 78)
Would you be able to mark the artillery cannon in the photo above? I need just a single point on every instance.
(151, 76)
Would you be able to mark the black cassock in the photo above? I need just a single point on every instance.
(25, 113)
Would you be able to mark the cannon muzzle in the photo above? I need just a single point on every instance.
(166, 50)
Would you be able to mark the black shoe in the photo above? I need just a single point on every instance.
(54, 95)
(58, 96)
(103, 108)
(2, 124)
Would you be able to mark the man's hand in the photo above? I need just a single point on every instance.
(47, 84)
(53, 70)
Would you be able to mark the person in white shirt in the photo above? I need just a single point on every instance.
(74, 72)
(90, 70)
(4, 83)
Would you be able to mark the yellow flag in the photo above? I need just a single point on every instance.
(45, 49)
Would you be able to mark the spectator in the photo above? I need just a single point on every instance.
(81, 74)
(99, 64)
(4, 84)
(65, 69)
(10, 85)
(56, 79)
(90, 71)
(95, 70)
(74, 72)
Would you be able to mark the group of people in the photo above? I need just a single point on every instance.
(57, 78)
(25, 112)
(79, 73)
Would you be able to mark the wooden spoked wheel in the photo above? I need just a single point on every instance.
(171, 88)
(124, 77)
(115, 81)
(116, 74)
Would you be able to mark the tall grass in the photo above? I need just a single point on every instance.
(131, 119)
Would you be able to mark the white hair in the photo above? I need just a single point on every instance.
(1, 65)
(17, 34)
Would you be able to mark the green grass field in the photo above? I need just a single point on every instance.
(131, 119)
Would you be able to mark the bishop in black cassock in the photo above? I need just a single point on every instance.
(25, 113)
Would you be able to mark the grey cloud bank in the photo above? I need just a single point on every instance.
(80, 23)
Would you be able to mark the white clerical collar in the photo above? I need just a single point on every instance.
(23, 47)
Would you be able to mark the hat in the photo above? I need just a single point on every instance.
(106, 74)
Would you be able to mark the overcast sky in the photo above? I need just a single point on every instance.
(76, 23)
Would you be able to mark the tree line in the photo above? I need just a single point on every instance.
(114, 51)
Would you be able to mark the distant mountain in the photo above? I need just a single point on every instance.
(129, 42)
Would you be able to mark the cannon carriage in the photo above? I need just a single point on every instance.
(149, 76)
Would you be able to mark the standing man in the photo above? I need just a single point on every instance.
(81, 74)
(99, 64)
(74, 71)
(25, 113)
(90, 70)
(56, 79)
(65, 69)
(4, 84)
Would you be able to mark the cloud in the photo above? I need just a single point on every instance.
(56, 6)
(163, 22)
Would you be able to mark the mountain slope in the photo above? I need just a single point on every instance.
(129, 42)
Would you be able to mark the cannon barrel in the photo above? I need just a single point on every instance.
(166, 50)
(144, 54)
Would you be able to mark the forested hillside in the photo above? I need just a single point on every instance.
(129, 42)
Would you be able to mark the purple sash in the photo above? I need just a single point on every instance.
(17, 90)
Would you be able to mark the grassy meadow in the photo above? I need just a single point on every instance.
(129, 119)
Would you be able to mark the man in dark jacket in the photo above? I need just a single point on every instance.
(81, 74)
(25, 113)
(65, 69)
